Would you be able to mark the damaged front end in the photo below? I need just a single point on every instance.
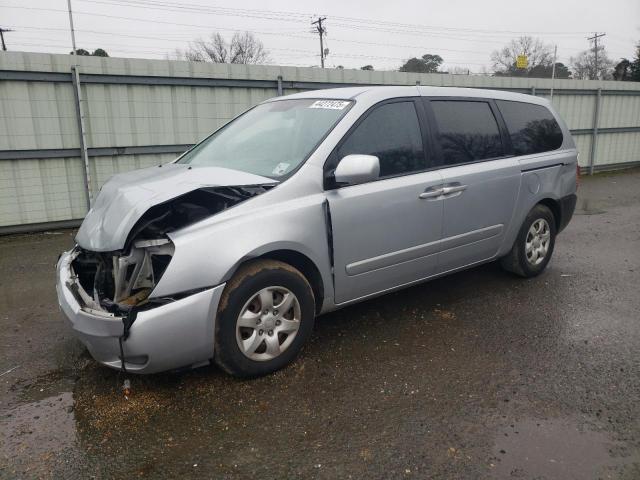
(120, 283)
(115, 282)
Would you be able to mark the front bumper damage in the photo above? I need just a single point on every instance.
(175, 334)
(106, 284)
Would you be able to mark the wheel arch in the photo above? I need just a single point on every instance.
(299, 261)
(554, 206)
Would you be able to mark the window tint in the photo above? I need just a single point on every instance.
(467, 131)
(532, 128)
(391, 132)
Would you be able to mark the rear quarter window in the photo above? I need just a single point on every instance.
(532, 128)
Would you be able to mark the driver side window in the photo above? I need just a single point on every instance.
(392, 133)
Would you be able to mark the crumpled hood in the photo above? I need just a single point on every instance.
(127, 196)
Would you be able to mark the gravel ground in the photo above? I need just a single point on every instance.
(476, 375)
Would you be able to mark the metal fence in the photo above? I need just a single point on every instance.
(67, 124)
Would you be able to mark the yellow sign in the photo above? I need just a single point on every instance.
(522, 61)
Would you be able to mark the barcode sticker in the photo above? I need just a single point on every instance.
(329, 104)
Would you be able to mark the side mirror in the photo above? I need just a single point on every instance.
(356, 169)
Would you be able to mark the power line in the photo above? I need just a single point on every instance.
(190, 37)
(300, 16)
(163, 5)
(348, 22)
(146, 20)
(352, 23)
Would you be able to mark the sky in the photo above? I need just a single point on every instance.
(379, 33)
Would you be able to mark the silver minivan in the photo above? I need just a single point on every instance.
(307, 203)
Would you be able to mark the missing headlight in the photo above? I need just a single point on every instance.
(116, 281)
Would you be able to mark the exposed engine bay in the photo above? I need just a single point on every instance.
(120, 281)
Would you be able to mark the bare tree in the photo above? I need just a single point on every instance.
(538, 53)
(585, 68)
(244, 48)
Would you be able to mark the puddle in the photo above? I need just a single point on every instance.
(548, 450)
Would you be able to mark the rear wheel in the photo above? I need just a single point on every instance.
(534, 245)
(266, 315)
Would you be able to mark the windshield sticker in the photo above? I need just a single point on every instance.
(329, 104)
(280, 169)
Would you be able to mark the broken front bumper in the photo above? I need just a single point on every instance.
(174, 335)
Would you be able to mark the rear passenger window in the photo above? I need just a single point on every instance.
(532, 128)
(391, 132)
(467, 131)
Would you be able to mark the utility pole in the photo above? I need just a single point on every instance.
(321, 31)
(2, 31)
(73, 34)
(553, 68)
(595, 38)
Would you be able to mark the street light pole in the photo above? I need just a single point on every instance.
(73, 34)
(553, 69)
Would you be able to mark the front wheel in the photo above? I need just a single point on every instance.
(266, 315)
(534, 245)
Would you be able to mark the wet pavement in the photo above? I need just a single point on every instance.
(477, 375)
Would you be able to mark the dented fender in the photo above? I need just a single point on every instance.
(208, 253)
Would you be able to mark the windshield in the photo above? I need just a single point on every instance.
(270, 140)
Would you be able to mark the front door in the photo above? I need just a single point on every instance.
(386, 232)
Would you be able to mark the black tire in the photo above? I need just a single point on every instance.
(245, 284)
(516, 260)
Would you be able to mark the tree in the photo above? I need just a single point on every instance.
(537, 53)
(546, 71)
(634, 68)
(243, 48)
(585, 68)
(367, 67)
(622, 71)
(427, 64)
(98, 52)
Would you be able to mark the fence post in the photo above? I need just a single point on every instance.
(75, 75)
(279, 85)
(594, 134)
(533, 90)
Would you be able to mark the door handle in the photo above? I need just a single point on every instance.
(453, 189)
(431, 193)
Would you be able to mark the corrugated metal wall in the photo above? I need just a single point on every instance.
(139, 113)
